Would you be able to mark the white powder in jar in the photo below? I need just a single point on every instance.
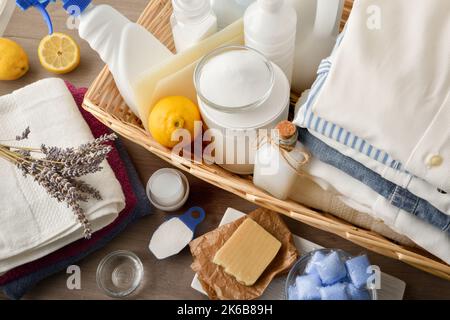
(235, 78)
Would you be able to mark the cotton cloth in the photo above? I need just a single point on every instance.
(364, 199)
(395, 195)
(32, 224)
(399, 75)
(335, 139)
(319, 194)
(20, 280)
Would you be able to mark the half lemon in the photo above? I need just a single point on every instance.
(59, 53)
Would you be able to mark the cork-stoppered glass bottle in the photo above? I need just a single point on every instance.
(278, 161)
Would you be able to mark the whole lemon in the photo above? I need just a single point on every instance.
(170, 114)
(13, 60)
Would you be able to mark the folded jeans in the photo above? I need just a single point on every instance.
(397, 196)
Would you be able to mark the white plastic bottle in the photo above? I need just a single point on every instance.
(317, 30)
(228, 11)
(270, 27)
(192, 21)
(278, 161)
(126, 47)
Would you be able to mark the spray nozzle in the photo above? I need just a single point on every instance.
(74, 7)
(41, 5)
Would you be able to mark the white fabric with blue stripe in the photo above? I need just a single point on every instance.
(307, 119)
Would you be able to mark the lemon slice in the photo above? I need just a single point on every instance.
(59, 53)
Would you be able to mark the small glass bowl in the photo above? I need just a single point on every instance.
(299, 269)
(234, 109)
(120, 273)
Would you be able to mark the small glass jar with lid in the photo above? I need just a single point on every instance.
(240, 92)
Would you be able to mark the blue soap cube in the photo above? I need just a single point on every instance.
(357, 270)
(292, 293)
(311, 266)
(308, 287)
(331, 269)
(337, 291)
(357, 294)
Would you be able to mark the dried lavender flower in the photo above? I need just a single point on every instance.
(85, 188)
(24, 134)
(58, 171)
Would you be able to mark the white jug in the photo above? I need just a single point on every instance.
(317, 29)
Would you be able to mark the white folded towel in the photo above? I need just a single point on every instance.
(33, 224)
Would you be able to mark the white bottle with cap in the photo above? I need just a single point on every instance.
(317, 30)
(126, 47)
(270, 27)
(228, 11)
(192, 21)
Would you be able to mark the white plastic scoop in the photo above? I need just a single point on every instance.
(175, 234)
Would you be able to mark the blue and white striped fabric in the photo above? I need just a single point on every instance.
(307, 119)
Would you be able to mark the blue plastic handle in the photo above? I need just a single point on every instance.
(46, 17)
(41, 5)
(190, 221)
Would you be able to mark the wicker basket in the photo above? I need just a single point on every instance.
(103, 100)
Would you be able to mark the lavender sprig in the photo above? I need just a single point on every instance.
(24, 134)
(58, 170)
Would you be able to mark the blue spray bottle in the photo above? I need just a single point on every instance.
(127, 48)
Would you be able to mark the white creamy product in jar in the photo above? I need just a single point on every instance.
(238, 100)
(237, 72)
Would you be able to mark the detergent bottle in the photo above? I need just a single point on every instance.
(126, 47)
(270, 27)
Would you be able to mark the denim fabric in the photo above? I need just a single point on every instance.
(397, 196)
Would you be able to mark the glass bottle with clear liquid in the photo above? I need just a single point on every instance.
(278, 161)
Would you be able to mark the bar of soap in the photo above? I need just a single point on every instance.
(248, 252)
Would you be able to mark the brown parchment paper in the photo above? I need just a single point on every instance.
(222, 286)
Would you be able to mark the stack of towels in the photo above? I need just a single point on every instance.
(377, 119)
(38, 235)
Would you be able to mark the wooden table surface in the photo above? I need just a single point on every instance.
(171, 278)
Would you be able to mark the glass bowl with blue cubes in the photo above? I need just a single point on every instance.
(330, 274)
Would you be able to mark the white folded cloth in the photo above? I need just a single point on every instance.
(320, 195)
(389, 84)
(364, 199)
(33, 224)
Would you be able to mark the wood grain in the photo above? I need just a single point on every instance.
(171, 278)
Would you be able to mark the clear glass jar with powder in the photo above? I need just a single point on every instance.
(240, 92)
